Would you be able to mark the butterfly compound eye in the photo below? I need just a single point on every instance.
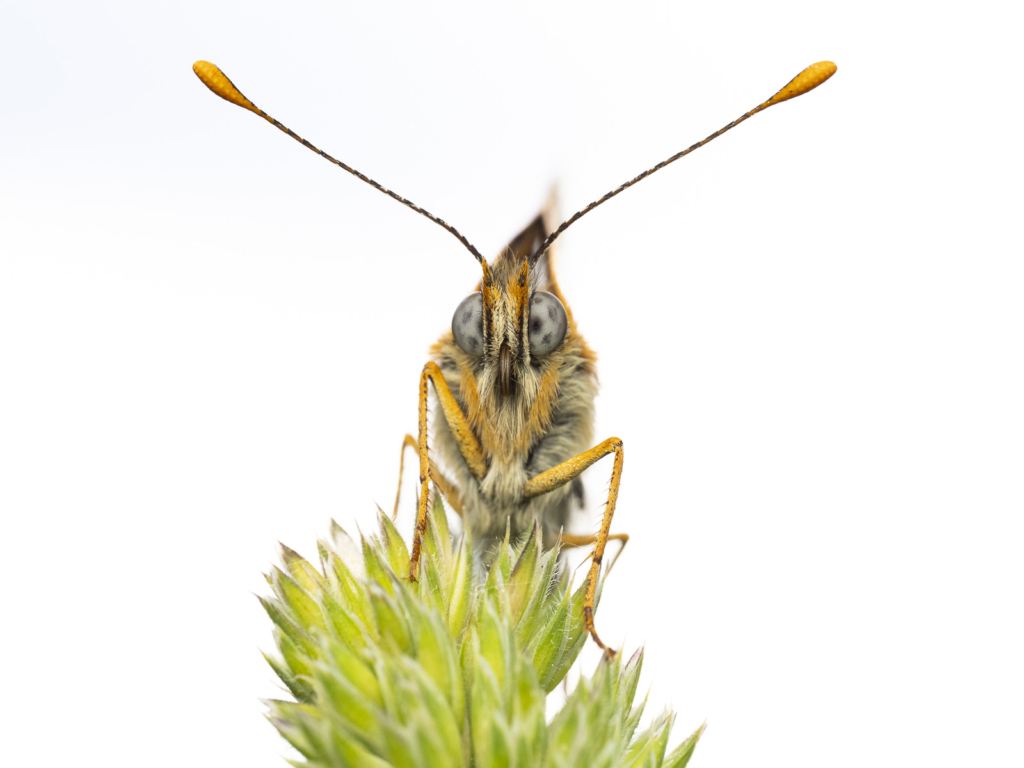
(548, 323)
(468, 324)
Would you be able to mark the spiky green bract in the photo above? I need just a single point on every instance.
(450, 670)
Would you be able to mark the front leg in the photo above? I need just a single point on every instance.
(469, 447)
(564, 473)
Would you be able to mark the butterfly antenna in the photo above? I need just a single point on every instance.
(219, 83)
(810, 78)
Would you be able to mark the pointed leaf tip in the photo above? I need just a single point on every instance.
(394, 546)
(522, 576)
(681, 755)
(461, 587)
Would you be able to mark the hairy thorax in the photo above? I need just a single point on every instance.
(547, 419)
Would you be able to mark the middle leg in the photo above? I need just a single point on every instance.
(570, 540)
(448, 488)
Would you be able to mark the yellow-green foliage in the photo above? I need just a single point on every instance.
(452, 670)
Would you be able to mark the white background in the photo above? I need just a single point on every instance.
(809, 336)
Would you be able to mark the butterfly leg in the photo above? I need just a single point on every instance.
(408, 442)
(569, 541)
(562, 474)
(448, 489)
(467, 441)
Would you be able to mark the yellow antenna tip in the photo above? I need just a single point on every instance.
(218, 82)
(808, 80)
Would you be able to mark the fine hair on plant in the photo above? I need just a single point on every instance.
(452, 669)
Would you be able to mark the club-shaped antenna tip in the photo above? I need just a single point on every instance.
(808, 80)
(218, 82)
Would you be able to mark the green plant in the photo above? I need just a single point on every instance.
(450, 670)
